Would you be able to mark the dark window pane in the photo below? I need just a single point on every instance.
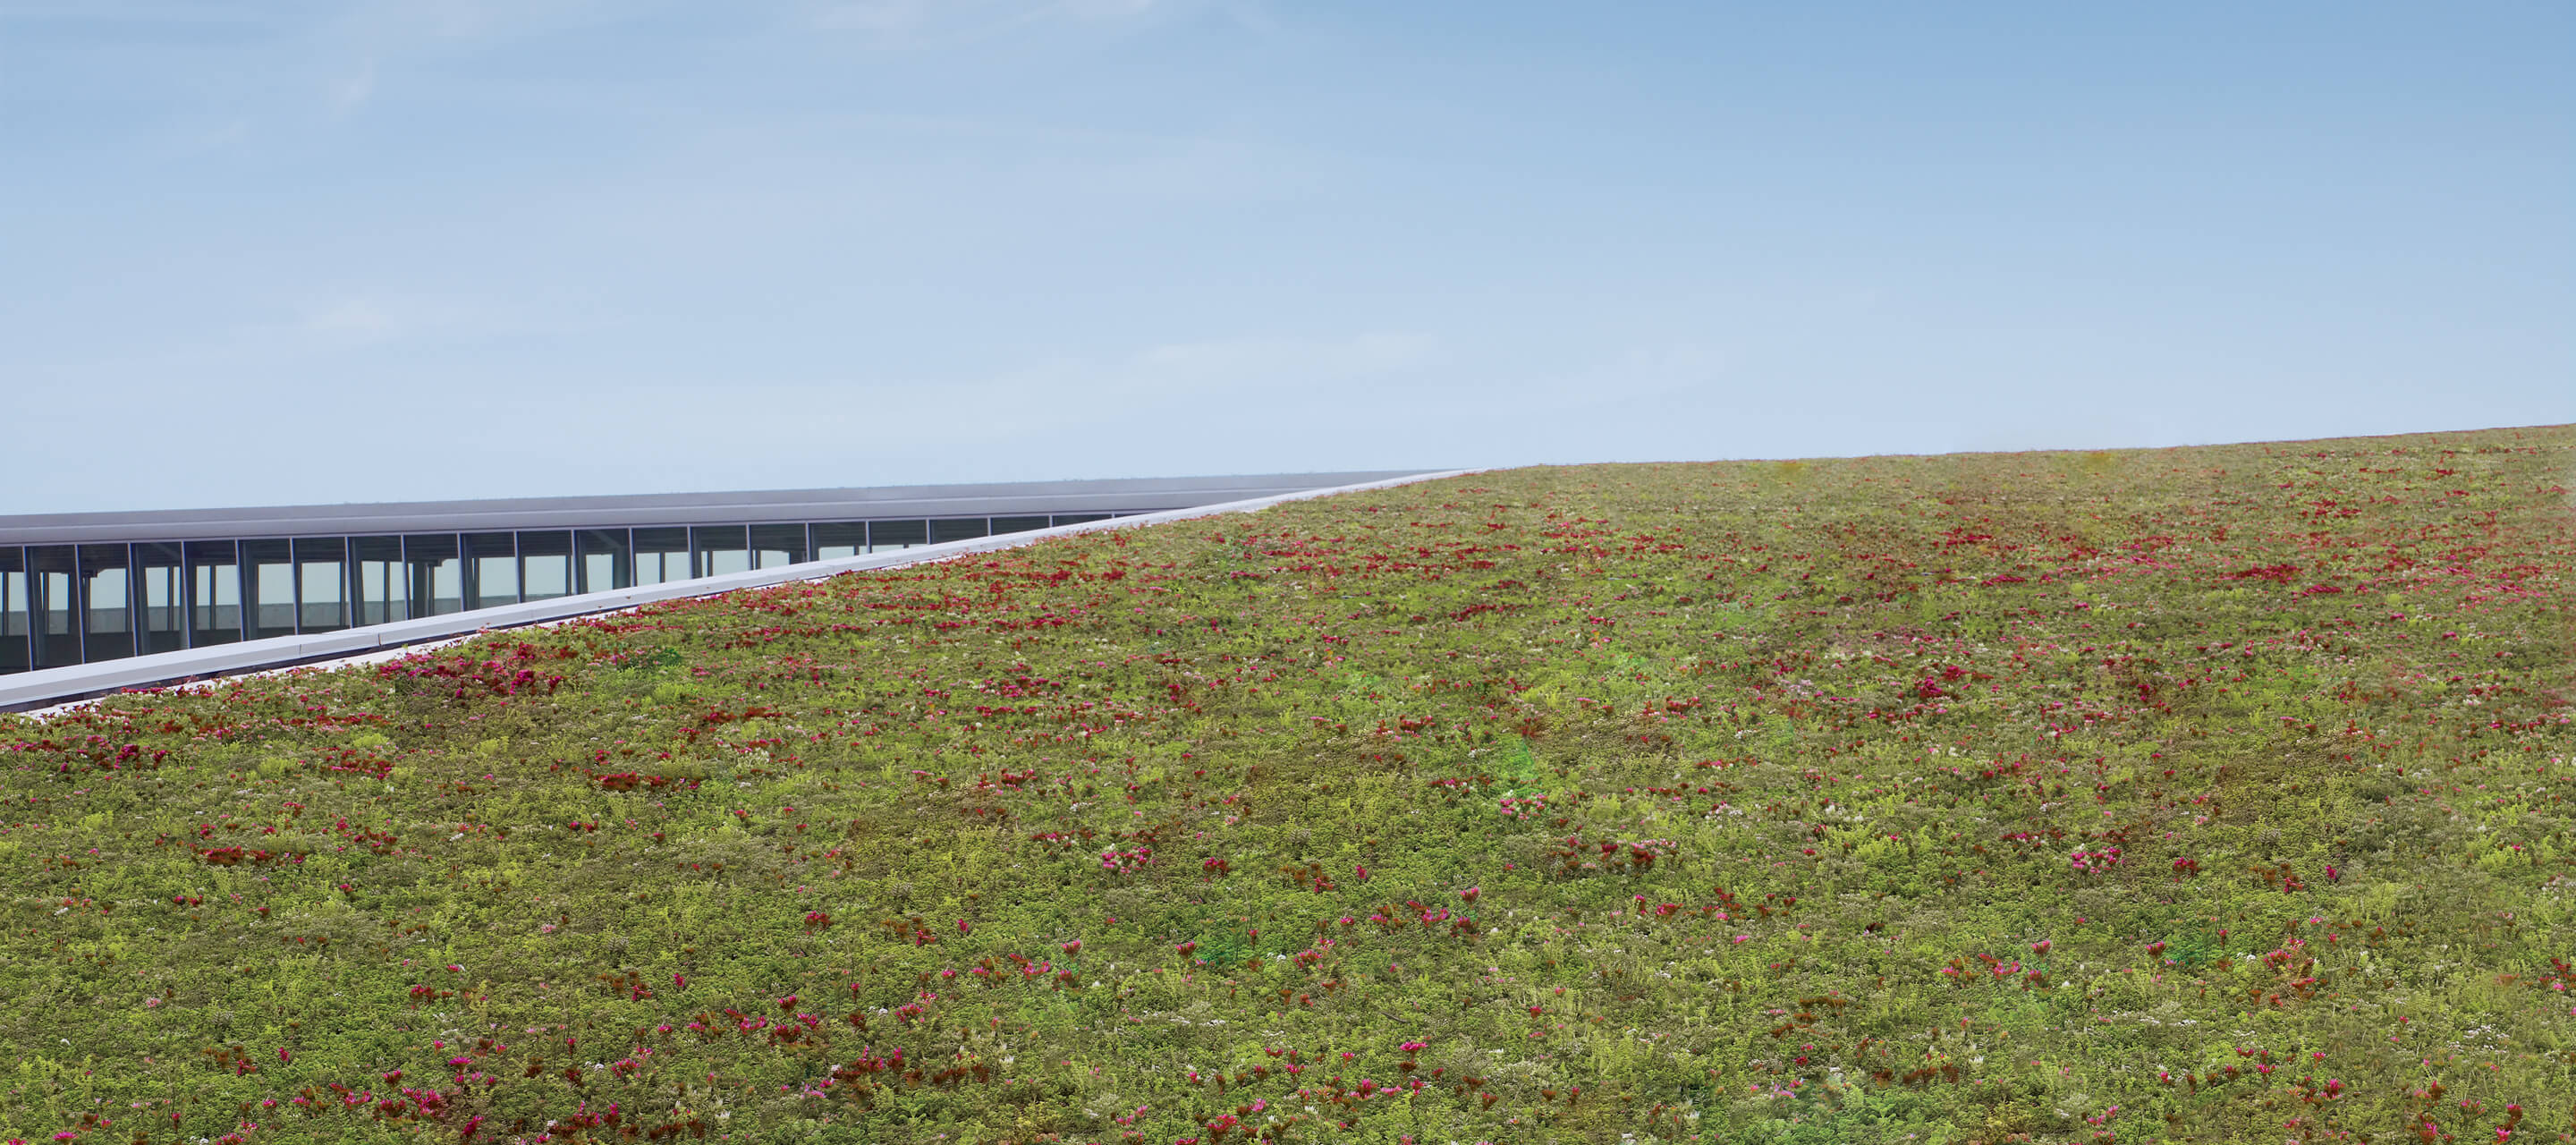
(604, 561)
(437, 574)
(1079, 518)
(956, 529)
(107, 602)
(214, 593)
(836, 539)
(721, 549)
(51, 572)
(162, 590)
(776, 545)
(381, 586)
(661, 555)
(16, 624)
(321, 584)
(884, 535)
(545, 565)
(491, 570)
(268, 581)
(1017, 524)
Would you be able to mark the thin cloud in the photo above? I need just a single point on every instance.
(352, 317)
(870, 16)
(924, 23)
(1106, 9)
(105, 12)
(1258, 361)
(352, 93)
(363, 321)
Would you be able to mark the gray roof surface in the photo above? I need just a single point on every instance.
(1119, 495)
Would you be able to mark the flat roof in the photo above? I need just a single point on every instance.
(1000, 499)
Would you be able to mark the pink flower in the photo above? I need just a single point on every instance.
(1471, 893)
(1073, 947)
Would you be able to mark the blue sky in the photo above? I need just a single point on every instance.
(259, 252)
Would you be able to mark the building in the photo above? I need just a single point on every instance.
(81, 588)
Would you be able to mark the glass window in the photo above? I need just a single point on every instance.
(53, 635)
(775, 545)
(163, 593)
(836, 539)
(268, 580)
(50, 600)
(15, 622)
(321, 584)
(491, 570)
(437, 573)
(214, 593)
(107, 600)
(957, 529)
(1079, 518)
(545, 565)
(603, 560)
(721, 549)
(661, 555)
(378, 589)
(885, 535)
(1003, 525)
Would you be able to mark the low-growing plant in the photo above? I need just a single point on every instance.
(2212, 794)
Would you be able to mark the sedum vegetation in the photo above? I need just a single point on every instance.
(2211, 794)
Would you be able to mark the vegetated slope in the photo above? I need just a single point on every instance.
(2211, 794)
